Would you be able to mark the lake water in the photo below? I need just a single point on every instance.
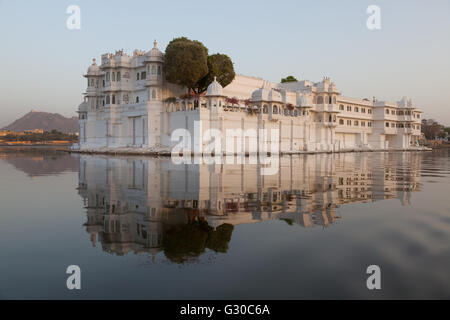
(145, 228)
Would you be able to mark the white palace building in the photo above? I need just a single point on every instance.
(129, 106)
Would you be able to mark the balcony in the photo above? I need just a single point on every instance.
(154, 80)
(390, 130)
(330, 124)
(327, 108)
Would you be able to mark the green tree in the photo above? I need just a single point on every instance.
(289, 79)
(220, 66)
(186, 62)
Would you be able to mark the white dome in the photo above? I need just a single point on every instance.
(155, 54)
(266, 93)
(275, 96)
(214, 89)
(304, 101)
(93, 68)
(83, 106)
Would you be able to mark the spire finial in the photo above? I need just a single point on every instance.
(94, 61)
(215, 78)
(155, 44)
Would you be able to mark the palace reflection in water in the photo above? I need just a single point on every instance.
(144, 205)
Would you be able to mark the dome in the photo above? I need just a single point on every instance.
(93, 68)
(215, 89)
(155, 54)
(304, 101)
(83, 107)
(275, 96)
(266, 93)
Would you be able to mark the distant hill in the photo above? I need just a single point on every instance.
(46, 121)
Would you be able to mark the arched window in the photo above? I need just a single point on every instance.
(137, 76)
(275, 109)
(107, 76)
(330, 100)
(154, 94)
(107, 99)
(113, 99)
(320, 100)
(265, 109)
(118, 76)
(153, 69)
(137, 99)
(334, 100)
(113, 77)
(159, 70)
(92, 82)
(329, 118)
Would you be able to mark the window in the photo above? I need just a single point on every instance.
(159, 70)
(137, 99)
(118, 76)
(295, 113)
(143, 75)
(387, 124)
(349, 122)
(113, 77)
(341, 107)
(113, 99)
(349, 108)
(387, 111)
(363, 123)
(356, 123)
(103, 82)
(369, 124)
(356, 109)
(137, 76)
(320, 100)
(369, 111)
(330, 100)
(275, 110)
(392, 125)
(341, 121)
(107, 76)
(265, 110)
(363, 110)
(153, 94)
(107, 99)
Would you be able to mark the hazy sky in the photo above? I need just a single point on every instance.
(42, 62)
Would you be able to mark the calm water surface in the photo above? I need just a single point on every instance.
(143, 228)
